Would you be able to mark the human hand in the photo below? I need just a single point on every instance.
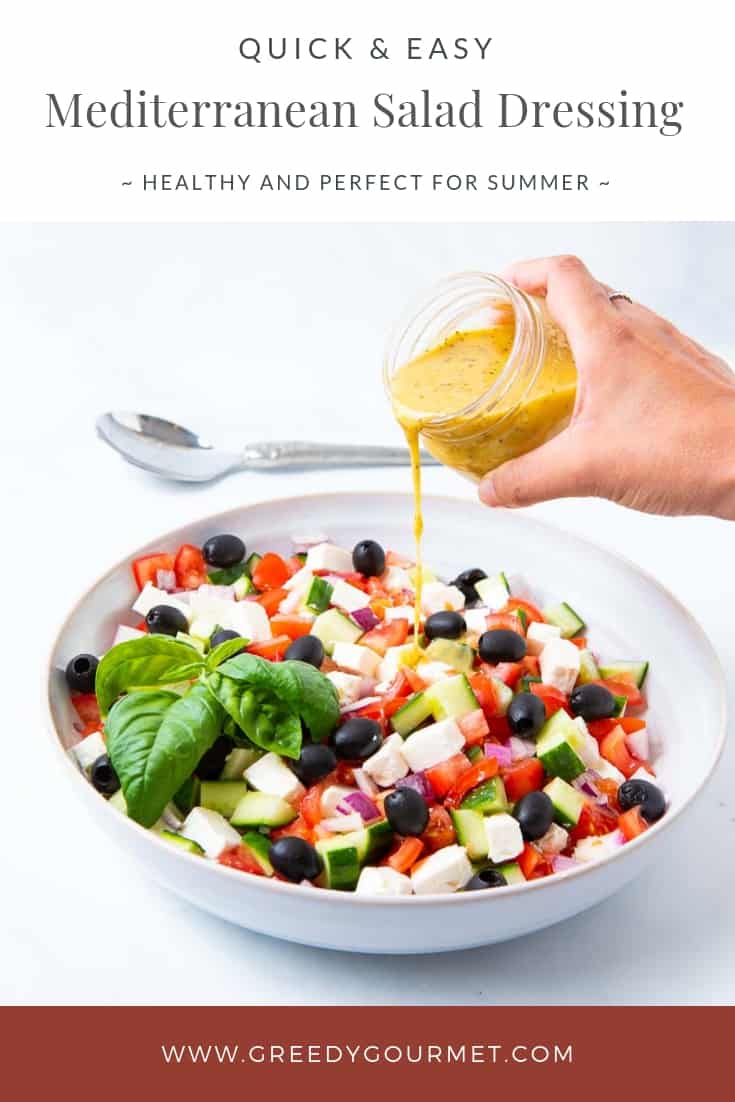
(653, 426)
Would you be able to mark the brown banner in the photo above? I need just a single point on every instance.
(192, 1052)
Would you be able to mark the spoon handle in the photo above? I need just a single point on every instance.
(284, 454)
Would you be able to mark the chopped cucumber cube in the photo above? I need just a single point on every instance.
(222, 796)
(512, 873)
(470, 830)
(412, 714)
(588, 668)
(258, 846)
(183, 843)
(333, 627)
(319, 594)
(451, 698)
(566, 619)
(489, 798)
(555, 747)
(260, 809)
(567, 802)
(636, 670)
(493, 591)
(237, 762)
(457, 655)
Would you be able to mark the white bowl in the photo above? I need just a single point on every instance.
(630, 616)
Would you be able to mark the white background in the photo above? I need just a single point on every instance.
(570, 50)
(262, 331)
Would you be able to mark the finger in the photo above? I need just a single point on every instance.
(555, 470)
(576, 300)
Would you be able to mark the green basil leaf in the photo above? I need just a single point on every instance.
(150, 661)
(224, 651)
(259, 714)
(155, 741)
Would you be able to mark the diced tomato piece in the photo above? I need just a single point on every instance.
(271, 599)
(345, 774)
(86, 707)
(292, 626)
(499, 728)
(510, 673)
(299, 828)
(483, 770)
(523, 777)
(622, 686)
(294, 564)
(237, 857)
(417, 683)
(394, 558)
(504, 620)
(404, 855)
(392, 634)
(376, 710)
(613, 747)
(579, 641)
(533, 615)
(533, 864)
(601, 727)
(594, 819)
(272, 649)
(440, 831)
(376, 588)
(146, 568)
(474, 727)
(632, 823)
(189, 567)
(399, 688)
(609, 789)
(141, 626)
(271, 572)
(554, 699)
(90, 727)
(443, 776)
(485, 692)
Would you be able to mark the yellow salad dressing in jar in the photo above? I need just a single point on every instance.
(479, 374)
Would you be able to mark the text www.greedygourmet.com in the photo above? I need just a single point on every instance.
(319, 1053)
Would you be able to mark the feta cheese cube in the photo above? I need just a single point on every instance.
(400, 612)
(346, 596)
(299, 581)
(476, 620)
(210, 830)
(269, 774)
(437, 597)
(150, 596)
(333, 795)
(504, 838)
(433, 671)
(559, 663)
(201, 628)
(351, 656)
(348, 686)
(446, 870)
(325, 556)
(250, 620)
(598, 846)
(585, 744)
(387, 765)
(608, 771)
(125, 633)
(395, 578)
(555, 840)
(637, 743)
(394, 658)
(538, 635)
(433, 744)
(383, 881)
(210, 606)
(88, 750)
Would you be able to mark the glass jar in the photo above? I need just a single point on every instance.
(529, 399)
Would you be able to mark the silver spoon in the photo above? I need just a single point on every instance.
(172, 451)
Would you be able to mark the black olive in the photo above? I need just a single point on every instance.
(535, 814)
(445, 625)
(295, 859)
(222, 636)
(502, 645)
(212, 762)
(644, 795)
(485, 878)
(466, 582)
(308, 648)
(315, 761)
(103, 776)
(358, 738)
(526, 715)
(224, 550)
(166, 620)
(80, 673)
(593, 702)
(406, 811)
(368, 558)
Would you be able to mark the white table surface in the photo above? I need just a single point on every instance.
(278, 331)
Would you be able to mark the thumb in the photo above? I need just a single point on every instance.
(556, 469)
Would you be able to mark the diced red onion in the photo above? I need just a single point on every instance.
(303, 543)
(421, 783)
(365, 618)
(357, 704)
(585, 783)
(365, 783)
(359, 802)
(343, 824)
(166, 579)
(521, 748)
(559, 863)
(503, 754)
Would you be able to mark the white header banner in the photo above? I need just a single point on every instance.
(407, 111)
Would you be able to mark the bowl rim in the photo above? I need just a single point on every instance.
(351, 899)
